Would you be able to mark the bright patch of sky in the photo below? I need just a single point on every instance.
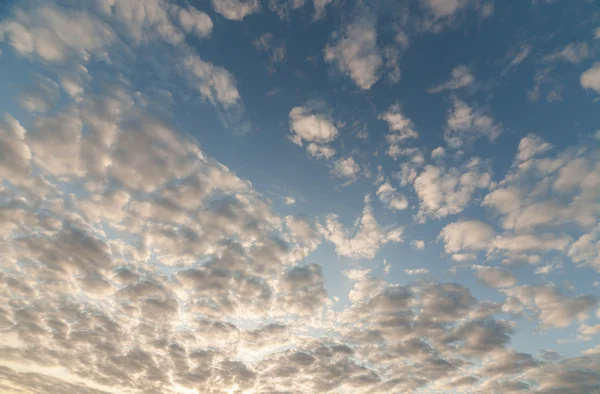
(313, 196)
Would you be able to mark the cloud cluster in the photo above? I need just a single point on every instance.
(132, 261)
(310, 124)
(355, 53)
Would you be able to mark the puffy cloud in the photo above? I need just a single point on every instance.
(544, 191)
(42, 97)
(495, 277)
(418, 244)
(401, 128)
(368, 236)
(311, 124)
(198, 22)
(236, 10)
(320, 6)
(215, 83)
(47, 32)
(438, 152)
(531, 146)
(586, 250)
(15, 154)
(590, 79)
(465, 124)
(346, 168)
(355, 52)
(444, 192)
(460, 77)
(391, 198)
(467, 235)
(546, 302)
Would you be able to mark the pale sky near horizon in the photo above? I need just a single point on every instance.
(300, 196)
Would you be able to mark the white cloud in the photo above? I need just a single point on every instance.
(418, 244)
(310, 124)
(42, 97)
(289, 200)
(444, 192)
(366, 238)
(465, 124)
(590, 79)
(572, 53)
(391, 198)
(443, 8)
(401, 128)
(438, 152)
(586, 250)
(198, 22)
(214, 83)
(236, 10)
(320, 151)
(531, 146)
(47, 32)
(460, 77)
(320, 6)
(15, 154)
(355, 52)
(495, 277)
(467, 236)
(417, 271)
(346, 167)
(552, 307)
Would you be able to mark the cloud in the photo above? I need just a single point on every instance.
(465, 124)
(443, 8)
(418, 244)
(401, 128)
(320, 6)
(198, 22)
(289, 200)
(367, 236)
(494, 277)
(572, 53)
(45, 32)
(311, 124)
(520, 56)
(417, 271)
(41, 97)
(346, 168)
(391, 198)
(444, 192)
(236, 10)
(460, 77)
(214, 83)
(590, 79)
(552, 307)
(134, 262)
(278, 52)
(283, 8)
(586, 250)
(466, 235)
(356, 54)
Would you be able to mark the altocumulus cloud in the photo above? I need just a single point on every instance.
(132, 260)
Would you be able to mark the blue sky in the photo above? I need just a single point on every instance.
(251, 196)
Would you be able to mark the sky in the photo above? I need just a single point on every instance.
(299, 196)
